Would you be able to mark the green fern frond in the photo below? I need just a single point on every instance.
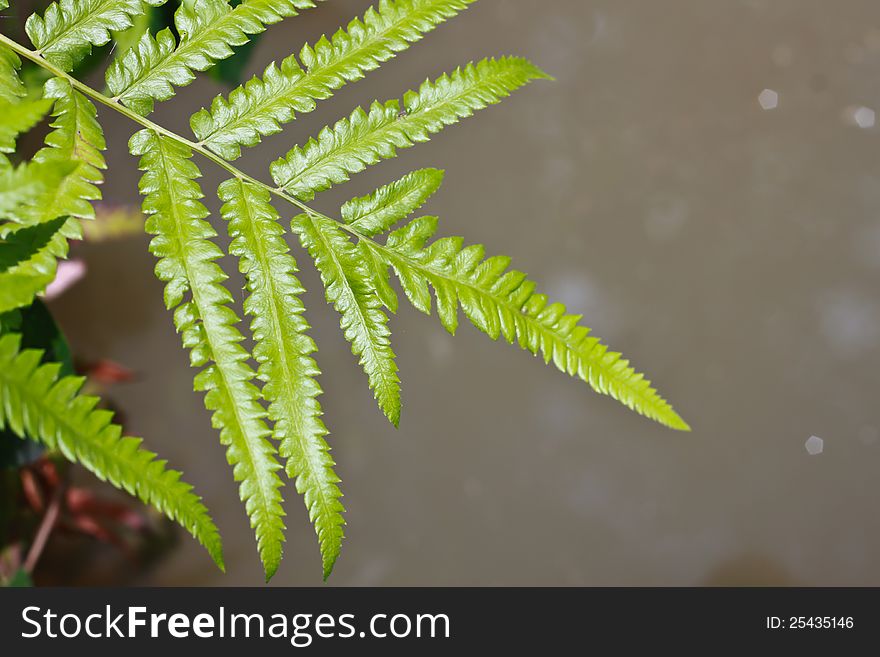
(259, 107)
(379, 211)
(365, 138)
(283, 350)
(503, 303)
(69, 28)
(182, 243)
(27, 263)
(36, 404)
(208, 29)
(349, 288)
(43, 201)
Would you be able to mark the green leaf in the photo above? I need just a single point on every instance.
(76, 137)
(26, 190)
(27, 264)
(19, 116)
(37, 404)
(378, 212)
(283, 349)
(503, 303)
(208, 29)
(377, 271)
(364, 138)
(11, 87)
(349, 288)
(69, 28)
(183, 244)
(260, 107)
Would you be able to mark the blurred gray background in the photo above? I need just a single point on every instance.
(731, 251)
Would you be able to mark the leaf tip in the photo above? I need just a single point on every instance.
(328, 558)
(216, 553)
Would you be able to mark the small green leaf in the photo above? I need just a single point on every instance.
(69, 28)
(349, 288)
(19, 117)
(26, 190)
(365, 138)
(11, 86)
(76, 137)
(504, 304)
(378, 212)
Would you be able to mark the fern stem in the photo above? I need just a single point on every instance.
(47, 524)
(144, 122)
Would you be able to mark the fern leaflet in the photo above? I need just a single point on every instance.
(503, 303)
(208, 29)
(258, 108)
(69, 28)
(365, 138)
(379, 211)
(35, 403)
(283, 350)
(182, 242)
(76, 137)
(349, 288)
(25, 191)
(11, 86)
(22, 115)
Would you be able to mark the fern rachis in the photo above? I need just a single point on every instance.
(273, 412)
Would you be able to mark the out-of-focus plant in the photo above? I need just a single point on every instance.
(270, 415)
(39, 500)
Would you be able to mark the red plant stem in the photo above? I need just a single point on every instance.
(47, 524)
